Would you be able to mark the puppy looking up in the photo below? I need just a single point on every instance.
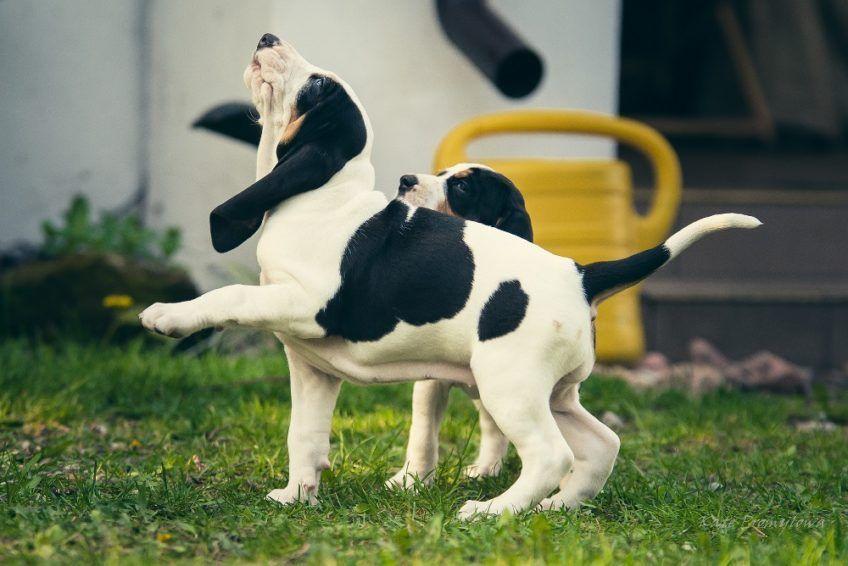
(371, 291)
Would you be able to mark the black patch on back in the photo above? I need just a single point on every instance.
(392, 270)
(332, 132)
(611, 276)
(503, 311)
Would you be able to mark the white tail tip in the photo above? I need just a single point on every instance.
(742, 220)
(681, 240)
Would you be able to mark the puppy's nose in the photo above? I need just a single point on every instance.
(268, 40)
(407, 182)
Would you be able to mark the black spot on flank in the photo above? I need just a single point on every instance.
(329, 131)
(417, 271)
(503, 312)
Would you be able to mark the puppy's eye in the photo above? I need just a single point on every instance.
(458, 185)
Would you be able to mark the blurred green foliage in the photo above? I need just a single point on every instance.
(123, 235)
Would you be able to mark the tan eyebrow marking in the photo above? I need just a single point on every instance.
(462, 174)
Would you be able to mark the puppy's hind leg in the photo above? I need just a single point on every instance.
(595, 448)
(314, 395)
(493, 446)
(522, 411)
(429, 399)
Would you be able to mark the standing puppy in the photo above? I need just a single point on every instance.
(473, 192)
(373, 292)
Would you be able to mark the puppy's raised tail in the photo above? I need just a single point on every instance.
(604, 279)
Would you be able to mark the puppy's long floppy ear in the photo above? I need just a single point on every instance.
(327, 130)
(515, 219)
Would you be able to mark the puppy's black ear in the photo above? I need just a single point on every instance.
(515, 219)
(240, 217)
(327, 130)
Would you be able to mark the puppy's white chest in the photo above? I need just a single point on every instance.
(302, 244)
(306, 237)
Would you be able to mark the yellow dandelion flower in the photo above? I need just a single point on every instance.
(117, 301)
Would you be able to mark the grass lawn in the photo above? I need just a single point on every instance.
(138, 455)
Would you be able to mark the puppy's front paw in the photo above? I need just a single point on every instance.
(293, 494)
(557, 502)
(252, 76)
(475, 510)
(264, 76)
(405, 479)
(271, 67)
(264, 102)
(172, 319)
(260, 91)
(483, 469)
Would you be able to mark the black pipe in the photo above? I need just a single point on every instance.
(513, 66)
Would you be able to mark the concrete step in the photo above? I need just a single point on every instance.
(806, 323)
(728, 165)
(782, 287)
(746, 292)
(804, 237)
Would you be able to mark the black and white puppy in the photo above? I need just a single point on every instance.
(370, 291)
(474, 192)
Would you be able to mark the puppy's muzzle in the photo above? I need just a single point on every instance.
(406, 183)
(267, 40)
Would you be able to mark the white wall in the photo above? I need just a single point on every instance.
(127, 79)
(70, 94)
(199, 50)
(416, 85)
(413, 83)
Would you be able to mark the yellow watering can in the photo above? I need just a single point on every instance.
(584, 208)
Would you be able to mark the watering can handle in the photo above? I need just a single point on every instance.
(653, 226)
